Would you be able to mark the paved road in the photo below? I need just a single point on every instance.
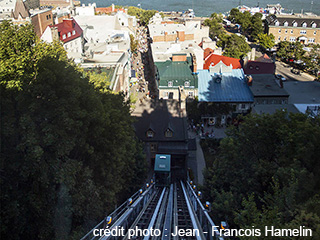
(285, 70)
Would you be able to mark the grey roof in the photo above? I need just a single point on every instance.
(291, 19)
(303, 92)
(272, 108)
(160, 119)
(265, 85)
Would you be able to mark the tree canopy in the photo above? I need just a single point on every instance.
(292, 50)
(68, 150)
(251, 25)
(267, 173)
(215, 25)
(266, 41)
(233, 45)
(143, 15)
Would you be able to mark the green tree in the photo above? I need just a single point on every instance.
(234, 46)
(256, 26)
(133, 44)
(290, 50)
(261, 170)
(215, 25)
(143, 15)
(68, 150)
(266, 41)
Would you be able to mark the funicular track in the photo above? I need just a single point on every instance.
(150, 215)
(167, 210)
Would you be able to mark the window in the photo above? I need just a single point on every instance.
(257, 68)
(168, 133)
(314, 25)
(73, 32)
(69, 34)
(63, 36)
(285, 24)
(315, 32)
(311, 40)
(303, 31)
(153, 147)
(292, 39)
(291, 31)
(285, 39)
(279, 38)
(277, 23)
(187, 84)
(286, 31)
(279, 30)
(150, 134)
(304, 24)
(295, 24)
(243, 106)
(170, 84)
(190, 94)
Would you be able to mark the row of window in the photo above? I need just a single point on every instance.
(295, 24)
(303, 32)
(186, 84)
(168, 133)
(64, 36)
(293, 39)
(48, 16)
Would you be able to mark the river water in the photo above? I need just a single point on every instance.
(206, 7)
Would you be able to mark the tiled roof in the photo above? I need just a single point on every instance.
(68, 30)
(214, 59)
(291, 19)
(177, 72)
(232, 88)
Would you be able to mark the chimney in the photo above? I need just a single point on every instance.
(165, 36)
(253, 54)
(112, 6)
(179, 57)
(194, 63)
(249, 80)
(54, 33)
(181, 35)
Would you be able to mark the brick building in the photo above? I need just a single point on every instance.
(302, 28)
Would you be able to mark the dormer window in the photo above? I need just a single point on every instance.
(187, 84)
(73, 32)
(314, 25)
(168, 133)
(150, 133)
(304, 24)
(170, 84)
(285, 24)
(276, 23)
(295, 24)
(63, 36)
(69, 34)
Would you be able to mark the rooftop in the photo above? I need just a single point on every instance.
(68, 30)
(231, 88)
(214, 59)
(266, 85)
(177, 72)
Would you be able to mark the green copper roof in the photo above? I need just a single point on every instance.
(176, 72)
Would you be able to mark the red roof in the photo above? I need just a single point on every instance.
(68, 30)
(207, 52)
(264, 58)
(213, 59)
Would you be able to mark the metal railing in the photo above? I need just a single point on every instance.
(122, 214)
(209, 228)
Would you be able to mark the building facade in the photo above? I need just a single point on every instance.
(292, 28)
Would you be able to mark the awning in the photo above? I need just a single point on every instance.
(303, 38)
